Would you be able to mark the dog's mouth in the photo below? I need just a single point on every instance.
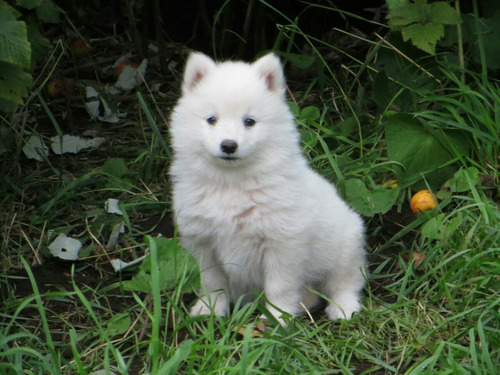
(229, 158)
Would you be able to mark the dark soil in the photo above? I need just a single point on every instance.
(56, 275)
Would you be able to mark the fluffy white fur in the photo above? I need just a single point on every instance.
(257, 218)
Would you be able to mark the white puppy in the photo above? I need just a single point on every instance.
(254, 214)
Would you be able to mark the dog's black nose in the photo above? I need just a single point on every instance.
(228, 146)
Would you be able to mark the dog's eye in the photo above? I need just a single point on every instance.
(249, 122)
(211, 120)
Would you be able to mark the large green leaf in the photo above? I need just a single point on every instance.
(421, 150)
(369, 203)
(14, 83)
(299, 60)
(444, 13)
(463, 180)
(395, 5)
(48, 12)
(491, 42)
(422, 22)
(441, 227)
(424, 36)
(39, 44)
(177, 268)
(14, 46)
(118, 324)
(29, 4)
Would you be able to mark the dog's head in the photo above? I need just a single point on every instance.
(233, 113)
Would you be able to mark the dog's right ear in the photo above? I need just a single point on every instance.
(270, 70)
(197, 67)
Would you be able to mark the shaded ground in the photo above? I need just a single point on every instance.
(55, 274)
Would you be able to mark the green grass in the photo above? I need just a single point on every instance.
(439, 315)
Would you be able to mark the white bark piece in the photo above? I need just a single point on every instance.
(72, 144)
(35, 148)
(65, 247)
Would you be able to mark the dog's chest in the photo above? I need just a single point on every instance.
(239, 230)
(228, 211)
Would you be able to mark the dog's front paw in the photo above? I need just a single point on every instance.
(343, 307)
(280, 320)
(200, 308)
(203, 307)
(277, 314)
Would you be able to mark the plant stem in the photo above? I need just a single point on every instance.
(460, 45)
(482, 55)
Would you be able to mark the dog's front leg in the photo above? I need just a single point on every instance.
(212, 292)
(282, 287)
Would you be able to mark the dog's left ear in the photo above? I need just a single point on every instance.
(270, 70)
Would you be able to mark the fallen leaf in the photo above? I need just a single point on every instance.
(130, 77)
(118, 229)
(66, 248)
(72, 144)
(416, 257)
(92, 103)
(112, 206)
(35, 148)
(119, 264)
(255, 331)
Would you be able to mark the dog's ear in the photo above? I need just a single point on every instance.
(270, 70)
(197, 67)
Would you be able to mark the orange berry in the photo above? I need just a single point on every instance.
(79, 48)
(422, 201)
(58, 87)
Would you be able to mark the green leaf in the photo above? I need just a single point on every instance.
(424, 36)
(440, 228)
(421, 150)
(348, 125)
(14, 46)
(299, 60)
(29, 4)
(120, 179)
(118, 324)
(14, 83)
(411, 13)
(395, 5)
(294, 108)
(310, 114)
(381, 90)
(174, 362)
(39, 44)
(308, 137)
(48, 12)
(491, 42)
(6, 105)
(115, 167)
(421, 22)
(178, 268)
(463, 179)
(443, 13)
(369, 203)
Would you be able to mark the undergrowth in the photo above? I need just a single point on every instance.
(379, 128)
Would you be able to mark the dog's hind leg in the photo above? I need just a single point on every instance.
(343, 288)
